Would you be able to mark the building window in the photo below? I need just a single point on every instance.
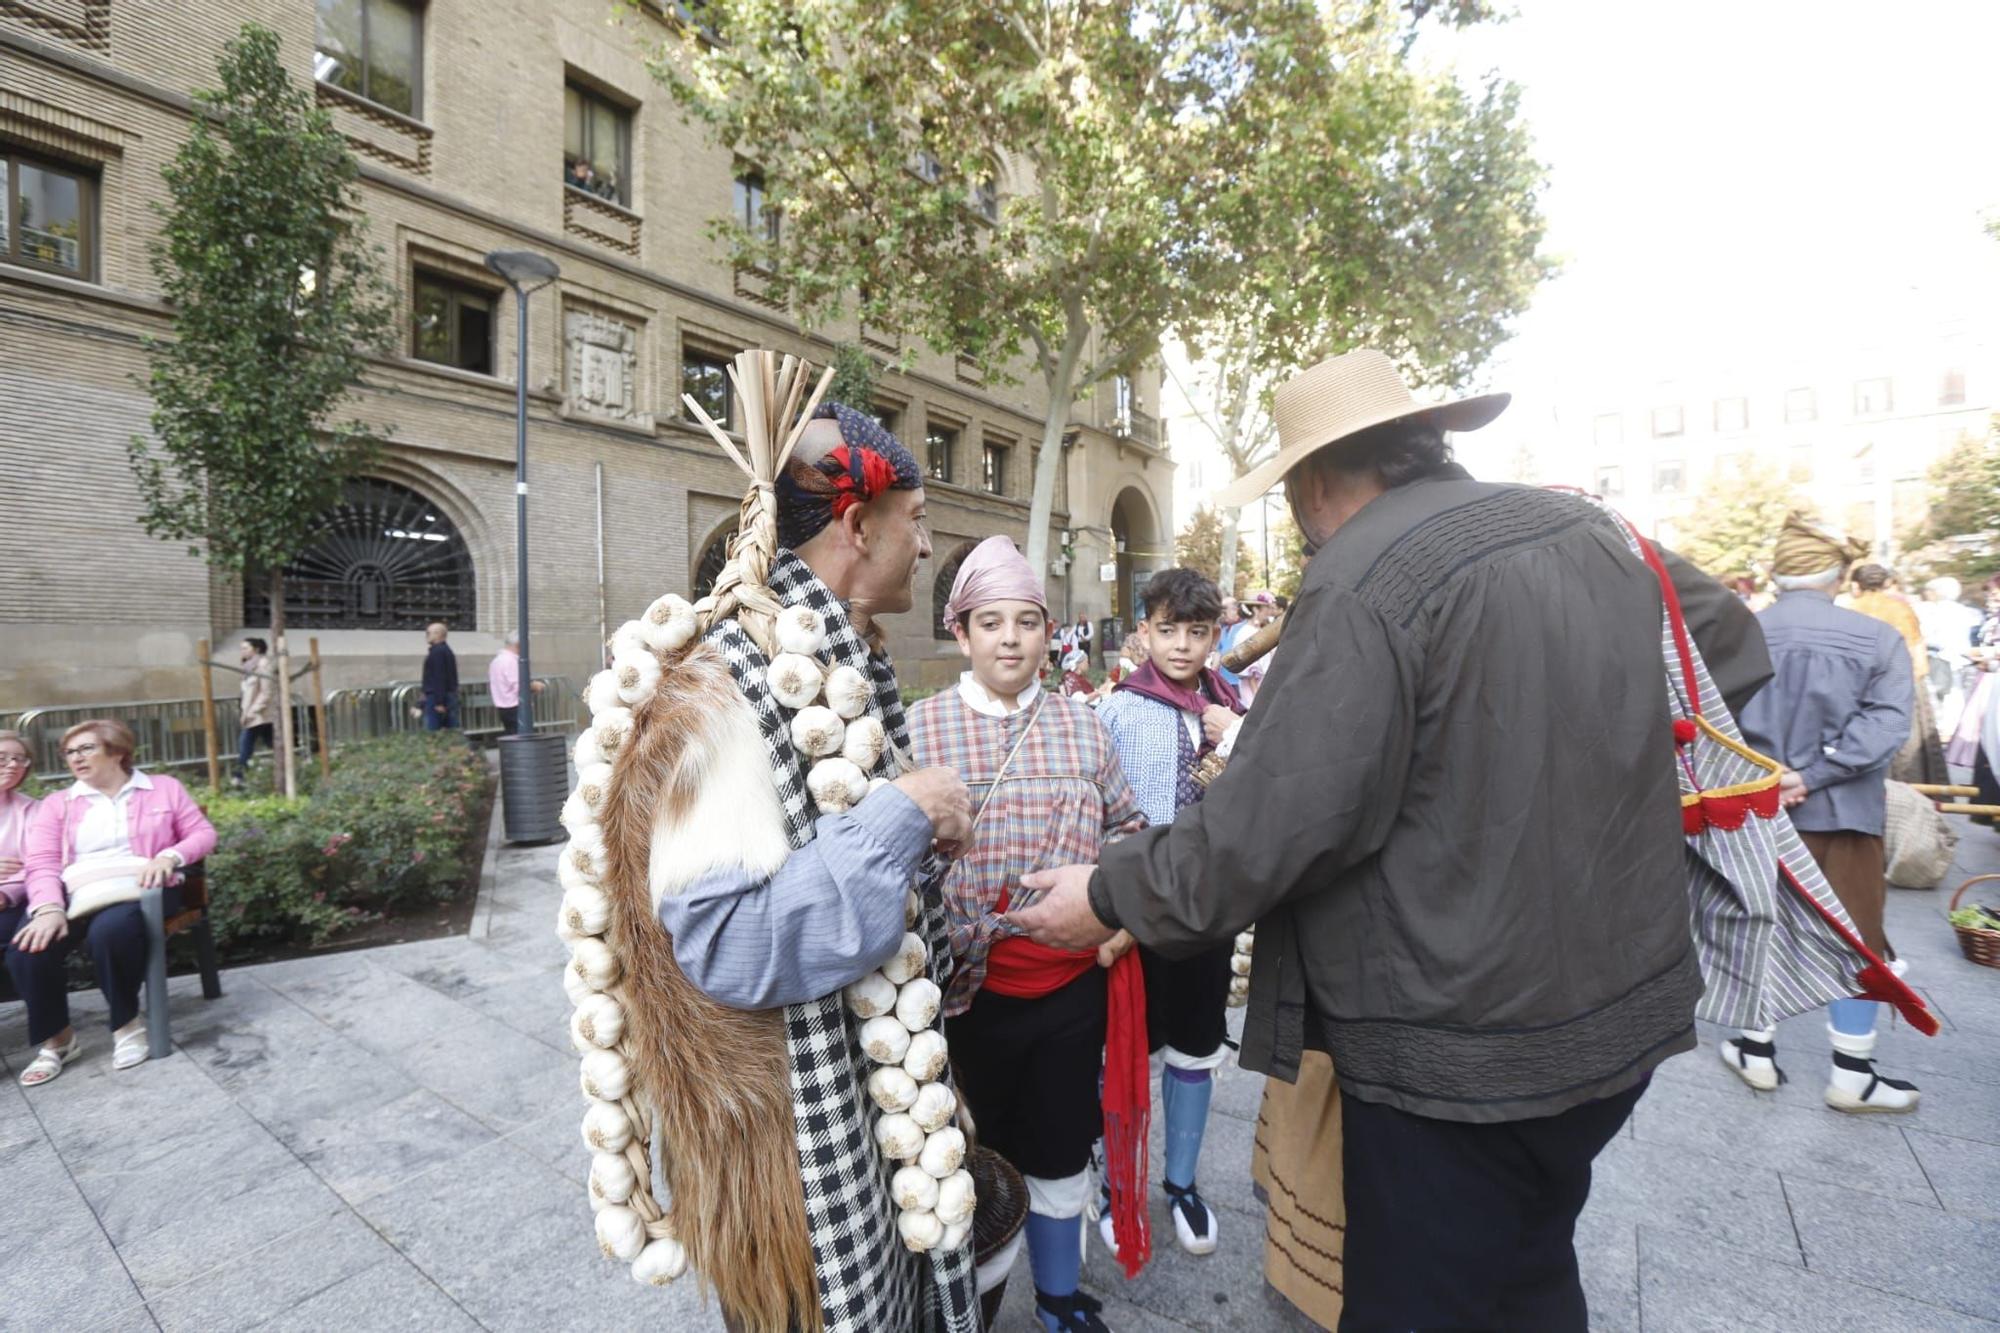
(48, 215)
(451, 323)
(1871, 397)
(705, 378)
(890, 417)
(940, 442)
(927, 166)
(1800, 468)
(709, 568)
(1801, 405)
(753, 211)
(384, 558)
(1669, 477)
(1607, 430)
(1668, 421)
(1951, 392)
(1122, 401)
(373, 49)
(597, 146)
(1732, 414)
(993, 469)
(1610, 480)
(986, 198)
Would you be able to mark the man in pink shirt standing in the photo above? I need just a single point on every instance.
(503, 679)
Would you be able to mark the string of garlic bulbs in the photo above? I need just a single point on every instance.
(1239, 968)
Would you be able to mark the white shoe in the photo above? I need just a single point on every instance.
(130, 1048)
(1194, 1221)
(1105, 1233)
(1752, 1060)
(1856, 1088)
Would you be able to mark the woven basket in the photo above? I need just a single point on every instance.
(1001, 1212)
(1980, 945)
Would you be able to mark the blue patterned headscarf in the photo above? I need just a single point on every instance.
(868, 462)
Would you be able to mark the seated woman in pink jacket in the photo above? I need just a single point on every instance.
(91, 849)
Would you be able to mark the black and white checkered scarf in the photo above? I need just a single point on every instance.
(868, 1281)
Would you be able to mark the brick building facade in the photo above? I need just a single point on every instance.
(484, 113)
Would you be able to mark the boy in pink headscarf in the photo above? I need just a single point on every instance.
(1028, 1025)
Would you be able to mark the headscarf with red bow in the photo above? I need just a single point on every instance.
(867, 463)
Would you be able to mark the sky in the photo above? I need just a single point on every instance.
(1733, 184)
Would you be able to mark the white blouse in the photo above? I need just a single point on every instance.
(104, 832)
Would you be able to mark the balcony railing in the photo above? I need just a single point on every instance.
(1139, 427)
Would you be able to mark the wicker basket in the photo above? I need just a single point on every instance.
(1980, 945)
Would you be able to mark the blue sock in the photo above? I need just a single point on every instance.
(1055, 1254)
(1184, 1095)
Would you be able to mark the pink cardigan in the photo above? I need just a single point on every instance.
(13, 890)
(162, 818)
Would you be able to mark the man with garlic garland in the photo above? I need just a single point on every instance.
(1028, 1025)
(739, 794)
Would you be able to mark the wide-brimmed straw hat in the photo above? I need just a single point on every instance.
(1342, 397)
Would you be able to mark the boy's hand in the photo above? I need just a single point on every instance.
(1114, 948)
(1216, 722)
(1062, 919)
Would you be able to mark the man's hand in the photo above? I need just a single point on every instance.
(1062, 919)
(438, 708)
(942, 796)
(1216, 722)
(1114, 948)
(538, 685)
(1791, 789)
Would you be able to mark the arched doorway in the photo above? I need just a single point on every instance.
(947, 574)
(709, 567)
(1135, 535)
(386, 557)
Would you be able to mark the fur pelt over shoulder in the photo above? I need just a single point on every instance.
(695, 783)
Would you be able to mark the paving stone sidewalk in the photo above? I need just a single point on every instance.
(388, 1140)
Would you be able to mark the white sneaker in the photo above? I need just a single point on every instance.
(1753, 1061)
(1194, 1221)
(1105, 1233)
(1856, 1088)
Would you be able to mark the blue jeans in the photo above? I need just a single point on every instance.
(445, 721)
(246, 745)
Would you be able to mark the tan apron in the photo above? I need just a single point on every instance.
(1297, 1162)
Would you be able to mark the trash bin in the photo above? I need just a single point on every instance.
(534, 782)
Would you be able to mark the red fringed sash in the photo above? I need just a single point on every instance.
(1127, 1111)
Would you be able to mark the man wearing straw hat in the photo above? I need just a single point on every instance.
(1451, 816)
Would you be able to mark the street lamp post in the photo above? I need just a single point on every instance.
(532, 769)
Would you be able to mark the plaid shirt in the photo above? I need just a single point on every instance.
(1064, 797)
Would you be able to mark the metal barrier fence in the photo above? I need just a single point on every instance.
(169, 730)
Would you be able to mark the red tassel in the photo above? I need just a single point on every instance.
(1684, 731)
(1127, 1111)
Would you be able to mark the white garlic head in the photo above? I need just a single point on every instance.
(576, 813)
(955, 1234)
(587, 908)
(606, 1128)
(955, 1198)
(593, 962)
(794, 679)
(872, 996)
(613, 729)
(885, 1039)
(921, 1232)
(637, 674)
(801, 630)
(605, 1076)
(1239, 963)
(907, 963)
(598, 1022)
(669, 624)
(620, 1232)
(1246, 941)
(574, 987)
(913, 906)
(848, 692)
(602, 693)
(927, 1057)
(943, 1151)
(836, 784)
(892, 1088)
(593, 787)
(899, 1137)
(866, 740)
(587, 753)
(933, 1108)
(817, 732)
(628, 638)
(586, 849)
(914, 1189)
(569, 874)
(612, 1178)
(917, 1003)
(565, 932)
(660, 1262)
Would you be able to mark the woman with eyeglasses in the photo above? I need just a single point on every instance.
(92, 849)
(16, 806)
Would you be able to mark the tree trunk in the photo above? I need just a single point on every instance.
(1226, 562)
(286, 776)
(1048, 458)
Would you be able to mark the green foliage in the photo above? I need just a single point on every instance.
(276, 301)
(1736, 519)
(1288, 557)
(853, 378)
(391, 831)
(1199, 546)
(1961, 529)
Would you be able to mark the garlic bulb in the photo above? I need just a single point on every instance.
(955, 1198)
(620, 1233)
(914, 1189)
(885, 1039)
(848, 691)
(913, 906)
(876, 784)
(598, 1022)
(892, 1089)
(612, 1177)
(612, 728)
(794, 679)
(899, 1137)
(1239, 992)
(917, 1004)
(637, 674)
(586, 848)
(933, 1107)
(801, 630)
(660, 1263)
(908, 961)
(817, 732)
(1239, 963)
(593, 786)
(629, 638)
(569, 875)
(1246, 941)
(606, 1127)
(955, 1234)
(605, 1076)
(565, 932)
(943, 1151)
(926, 1059)
(574, 987)
(594, 964)
(836, 784)
(587, 908)
(866, 739)
(576, 813)
(872, 996)
(602, 693)
(586, 753)
(920, 1231)
(668, 624)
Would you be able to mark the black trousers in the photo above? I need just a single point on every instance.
(116, 939)
(1028, 1071)
(1462, 1226)
(510, 717)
